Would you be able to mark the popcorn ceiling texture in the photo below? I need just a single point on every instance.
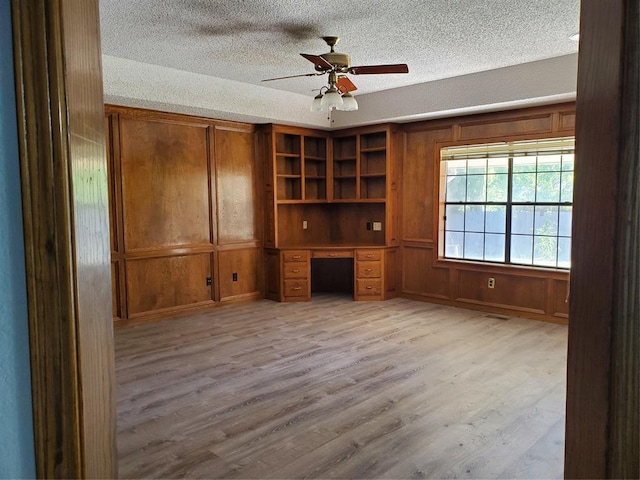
(245, 41)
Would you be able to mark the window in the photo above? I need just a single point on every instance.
(509, 202)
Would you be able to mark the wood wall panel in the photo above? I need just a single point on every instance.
(560, 298)
(419, 182)
(165, 283)
(567, 121)
(115, 291)
(330, 224)
(165, 184)
(235, 177)
(533, 124)
(418, 275)
(247, 264)
(391, 272)
(460, 283)
(188, 188)
(111, 172)
(511, 291)
(272, 274)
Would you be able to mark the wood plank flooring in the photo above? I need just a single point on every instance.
(341, 389)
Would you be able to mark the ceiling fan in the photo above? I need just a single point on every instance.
(337, 65)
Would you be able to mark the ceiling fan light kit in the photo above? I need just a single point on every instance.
(331, 98)
(337, 95)
(349, 103)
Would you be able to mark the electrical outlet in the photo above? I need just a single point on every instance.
(491, 283)
(304, 224)
(368, 225)
(209, 281)
(235, 276)
(377, 226)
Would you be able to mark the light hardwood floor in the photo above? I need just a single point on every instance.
(341, 389)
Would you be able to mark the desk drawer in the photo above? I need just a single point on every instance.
(368, 286)
(295, 255)
(368, 269)
(296, 270)
(369, 254)
(296, 288)
(332, 254)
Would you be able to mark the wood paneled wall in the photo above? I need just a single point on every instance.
(525, 292)
(184, 212)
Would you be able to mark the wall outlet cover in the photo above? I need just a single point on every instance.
(377, 226)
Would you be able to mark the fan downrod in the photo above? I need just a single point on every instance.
(332, 42)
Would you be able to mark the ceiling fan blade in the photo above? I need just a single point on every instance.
(377, 69)
(345, 85)
(293, 76)
(318, 61)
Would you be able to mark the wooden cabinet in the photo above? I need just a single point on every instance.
(369, 274)
(288, 275)
(289, 272)
(324, 191)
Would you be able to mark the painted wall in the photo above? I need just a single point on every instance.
(16, 441)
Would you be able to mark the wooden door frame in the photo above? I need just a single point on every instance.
(604, 315)
(56, 45)
(63, 167)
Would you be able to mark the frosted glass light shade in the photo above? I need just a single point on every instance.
(331, 99)
(349, 103)
(316, 105)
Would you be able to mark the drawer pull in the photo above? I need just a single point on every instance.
(369, 287)
(368, 269)
(295, 270)
(296, 288)
(297, 257)
(333, 254)
(368, 255)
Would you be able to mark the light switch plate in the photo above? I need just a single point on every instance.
(377, 226)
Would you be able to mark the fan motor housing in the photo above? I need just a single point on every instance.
(340, 61)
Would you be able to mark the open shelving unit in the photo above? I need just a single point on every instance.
(315, 168)
(373, 166)
(300, 167)
(360, 167)
(288, 167)
(330, 188)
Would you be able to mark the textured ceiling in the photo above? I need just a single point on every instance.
(250, 40)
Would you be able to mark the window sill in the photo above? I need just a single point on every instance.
(503, 267)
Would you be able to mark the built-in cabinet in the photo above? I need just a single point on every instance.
(204, 212)
(329, 196)
(185, 229)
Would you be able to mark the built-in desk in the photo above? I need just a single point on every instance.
(289, 271)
